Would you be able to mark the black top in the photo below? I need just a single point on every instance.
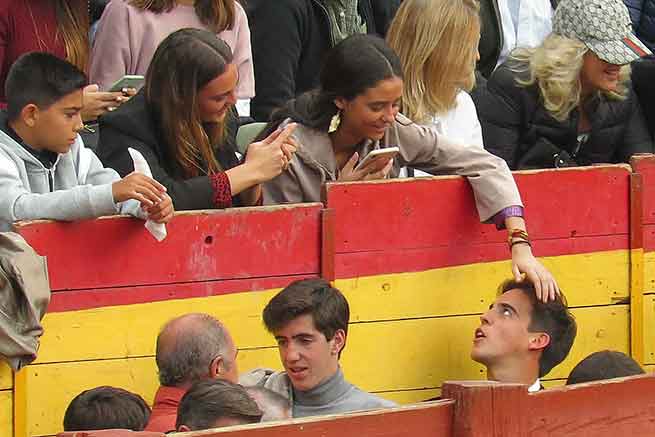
(289, 39)
(516, 126)
(491, 37)
(643, 72)
(134, 125)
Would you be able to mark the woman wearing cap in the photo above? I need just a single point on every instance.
(569, 101)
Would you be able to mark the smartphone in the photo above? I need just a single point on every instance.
(378, 158)
(128, 81)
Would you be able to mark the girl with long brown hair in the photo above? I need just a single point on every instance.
(130, 31)
(181, 122)
(59, 27)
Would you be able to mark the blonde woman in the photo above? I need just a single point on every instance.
(439, 64)
(569, 102)
(130, 31)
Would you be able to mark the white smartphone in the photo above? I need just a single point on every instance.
(128, 81)
(377, 159)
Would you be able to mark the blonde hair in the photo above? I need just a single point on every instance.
(555, 67)
(439, 58)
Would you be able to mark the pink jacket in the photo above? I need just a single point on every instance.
(127, 38)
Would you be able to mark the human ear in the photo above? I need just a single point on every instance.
(340, 103)
(216, 367)
(539, 341)
(30, 114)
(338, 341)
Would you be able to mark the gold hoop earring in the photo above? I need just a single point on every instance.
(335, 122)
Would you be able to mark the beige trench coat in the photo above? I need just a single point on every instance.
(421, 147)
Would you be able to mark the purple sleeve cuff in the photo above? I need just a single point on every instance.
(510, 211)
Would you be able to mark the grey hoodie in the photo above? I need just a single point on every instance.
(76, 187)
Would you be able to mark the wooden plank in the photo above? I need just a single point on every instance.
(96, 298)
(368, 263)
(327, 245)
(432, 213)
(403, 397)
(649, 269)
(487, 409)
(6, 413)
(596, 279)
(589, 279)
(609, 271)
(637, 272)
(134, 328)
(645, 166)
(209, 245)
(6, 376)
(649, 329)
(433, 419)
(623, 406)
(649, 237)
(469, 403)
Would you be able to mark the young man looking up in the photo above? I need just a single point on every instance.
(522, 338)
(309, 320)
(45, 170)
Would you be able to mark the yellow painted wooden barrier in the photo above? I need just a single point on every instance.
(6, 413)
(400, 364)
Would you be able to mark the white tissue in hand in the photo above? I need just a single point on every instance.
(158, 230)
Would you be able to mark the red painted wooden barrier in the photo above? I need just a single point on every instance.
(433, 419)
(111, 433)
(206, 253)
(644, 165)
(416, 224)
(623, 406)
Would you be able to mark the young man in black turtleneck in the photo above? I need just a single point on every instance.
(309, 320)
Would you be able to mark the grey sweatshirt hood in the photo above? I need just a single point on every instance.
(76, 187)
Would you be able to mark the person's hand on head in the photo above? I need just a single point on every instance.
(139, 187)
(163, 211)
(524, 263)
(95, 102)
(271, 156)
(370, 172)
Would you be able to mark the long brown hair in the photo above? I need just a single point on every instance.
(182, 65)
(217, 15)
(73, 23)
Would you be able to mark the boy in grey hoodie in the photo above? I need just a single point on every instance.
(45, 170)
